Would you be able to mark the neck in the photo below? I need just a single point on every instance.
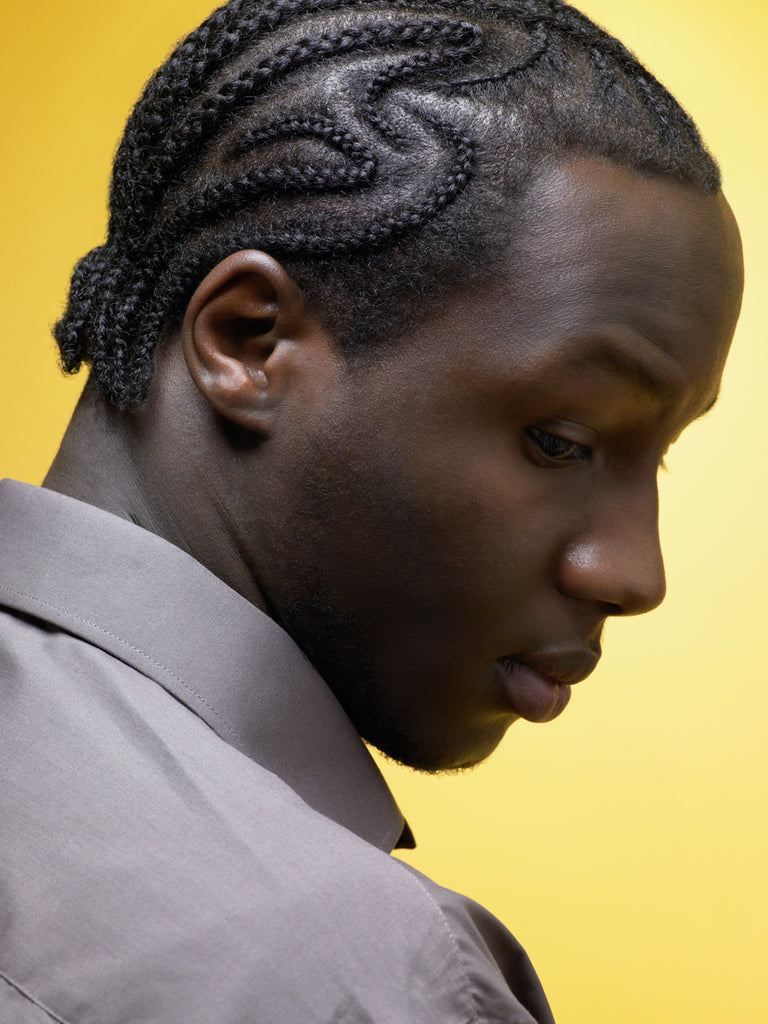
(139, 467)
(97, 463)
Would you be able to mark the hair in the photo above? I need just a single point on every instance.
(379, 148)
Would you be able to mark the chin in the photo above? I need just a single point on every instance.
(437, 754)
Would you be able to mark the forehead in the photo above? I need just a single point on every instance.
(602, 245)
(638, 276)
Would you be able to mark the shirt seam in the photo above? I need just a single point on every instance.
(466, 986)
(131, 647)
(35, 1002)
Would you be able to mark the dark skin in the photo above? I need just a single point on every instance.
(444, 529)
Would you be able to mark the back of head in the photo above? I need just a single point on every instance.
(379, 148)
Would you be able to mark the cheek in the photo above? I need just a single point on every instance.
(455, 534)
(425, 523)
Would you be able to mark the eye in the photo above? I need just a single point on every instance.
(547, 448)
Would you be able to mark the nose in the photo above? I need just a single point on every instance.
(617, 561)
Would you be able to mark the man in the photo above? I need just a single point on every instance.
(400, 308)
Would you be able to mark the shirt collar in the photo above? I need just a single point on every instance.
(156, 608)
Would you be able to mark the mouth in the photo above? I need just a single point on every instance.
(538, 689)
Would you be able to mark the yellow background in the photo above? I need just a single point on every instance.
(626, 844)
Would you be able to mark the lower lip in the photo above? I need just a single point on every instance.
(531, 696)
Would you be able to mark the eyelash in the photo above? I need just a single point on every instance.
(560, 450)
(556, 449)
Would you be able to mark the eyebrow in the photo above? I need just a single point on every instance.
(637, 372)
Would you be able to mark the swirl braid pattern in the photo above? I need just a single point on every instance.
(371, 144)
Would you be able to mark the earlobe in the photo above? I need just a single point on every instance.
(241, 317)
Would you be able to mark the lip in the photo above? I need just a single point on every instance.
(538, 688)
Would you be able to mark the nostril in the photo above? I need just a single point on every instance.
(609, 608)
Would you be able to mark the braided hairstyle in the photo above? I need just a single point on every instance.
(379, 148)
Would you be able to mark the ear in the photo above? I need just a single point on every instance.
(237, 334)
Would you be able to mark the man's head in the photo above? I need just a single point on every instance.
(422, 429)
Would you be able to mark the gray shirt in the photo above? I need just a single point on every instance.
(191, 830)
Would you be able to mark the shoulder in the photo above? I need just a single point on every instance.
(151, 872)
(494, 966)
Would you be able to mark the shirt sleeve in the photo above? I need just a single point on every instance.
(500, 980)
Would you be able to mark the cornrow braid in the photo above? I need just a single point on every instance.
(611, 58)
(219, 40)
(242, 89)
(217, 200)
(85, 285)
(408, 68)
(380, 148)
(229, 31)
(540, 39)
(169, 300)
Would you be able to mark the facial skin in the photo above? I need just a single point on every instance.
(445, 529)
(489, 490)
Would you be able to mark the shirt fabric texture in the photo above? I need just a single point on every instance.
(191, 830)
